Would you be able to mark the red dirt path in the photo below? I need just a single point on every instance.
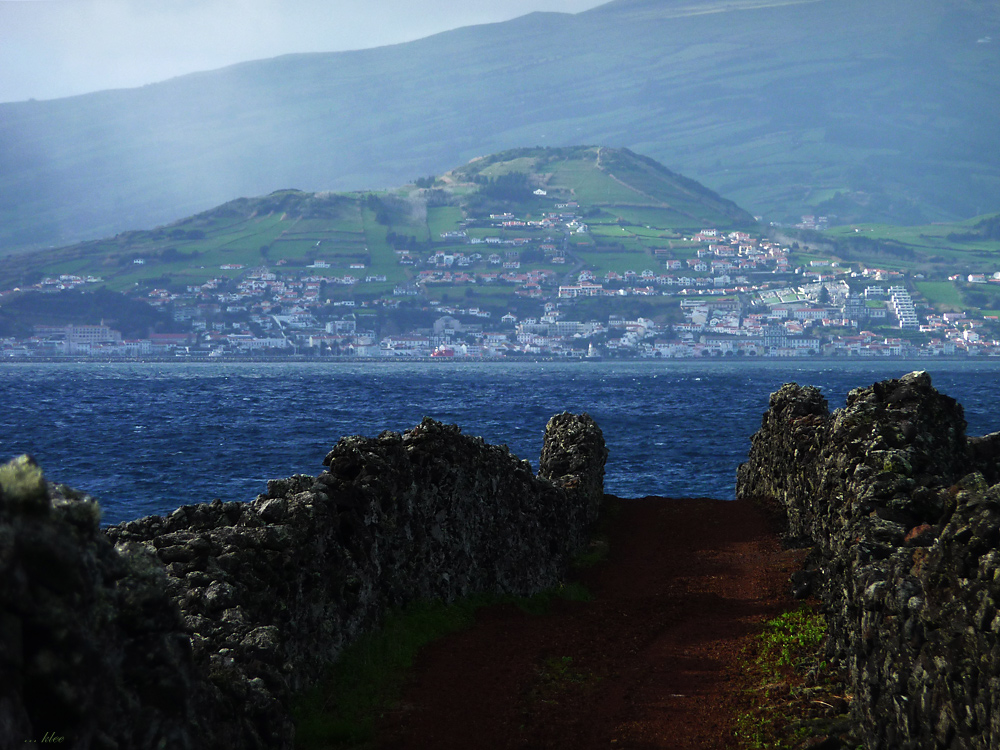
(652, 662)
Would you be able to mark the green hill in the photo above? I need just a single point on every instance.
(631, 205)
(874, 110)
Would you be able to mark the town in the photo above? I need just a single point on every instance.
(736, 296)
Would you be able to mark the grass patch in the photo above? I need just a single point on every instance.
(791, 639)
(795, 695)
(935, 248)
(443, 219)
(368, 679)
(369, 676)
(525, 164)
(343, 710)
(589, 185)
(943, 295)
(619, 262)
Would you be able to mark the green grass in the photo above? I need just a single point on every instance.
(342, 239)
(369, 676)
(375, 236)
(525, 164)
(443, 219)
(343, 711)
(790, 637)
(251, 237)
(600, 543)
(592, 186)
(619, 262)
(608, 230)
(671, 227)
(927, 235)
(782, 711)
(644, 233)
(368, 679)
(498, 298)
(943, 295)
(982, 296)
(298, 228)
(944, 248)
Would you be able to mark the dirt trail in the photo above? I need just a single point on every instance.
(652, 662)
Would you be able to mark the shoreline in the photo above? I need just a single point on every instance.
(712, 361)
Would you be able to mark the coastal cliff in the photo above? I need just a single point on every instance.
(193, 630)
(902, 511)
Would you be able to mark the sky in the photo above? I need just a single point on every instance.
(56, 48)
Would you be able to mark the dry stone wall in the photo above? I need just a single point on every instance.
(905, 526)
(193, 630)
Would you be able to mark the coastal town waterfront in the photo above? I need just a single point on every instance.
(713, 294)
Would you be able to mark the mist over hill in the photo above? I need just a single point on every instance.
(875, 110)
(610, 188)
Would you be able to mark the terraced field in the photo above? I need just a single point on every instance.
(333, 235)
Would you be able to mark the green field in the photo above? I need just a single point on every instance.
(620, 262)
(961, 247)
(442, 219)
(591, 186)
(943, 296)
(522, 164)
(292, 230)
(656, 219)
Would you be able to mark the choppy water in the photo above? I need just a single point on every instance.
(146, 438)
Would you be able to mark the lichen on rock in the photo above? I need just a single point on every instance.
(89, 635)
(905, 536)
(21, 481)
(193, 630)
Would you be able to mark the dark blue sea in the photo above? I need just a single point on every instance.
(146, 438)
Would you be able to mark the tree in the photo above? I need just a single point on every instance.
(512, 186)
(532, 255)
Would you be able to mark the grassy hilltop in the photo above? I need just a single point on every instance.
(867, 110)
(498, 234)
(632, 205)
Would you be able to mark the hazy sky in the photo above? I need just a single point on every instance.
(55, 48)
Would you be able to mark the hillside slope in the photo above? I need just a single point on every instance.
(867, 109)
(633, 205)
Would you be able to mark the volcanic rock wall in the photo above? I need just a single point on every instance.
(905, 529)
(193, 630)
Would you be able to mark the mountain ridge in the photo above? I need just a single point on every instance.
(786, 109)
